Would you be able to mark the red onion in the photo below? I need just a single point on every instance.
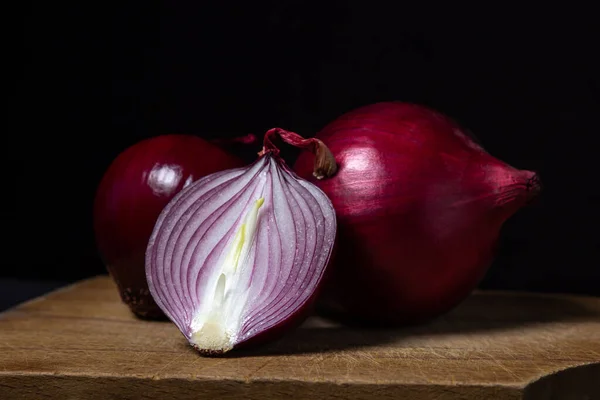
(131, 195)
(237, 257)
(420, 206)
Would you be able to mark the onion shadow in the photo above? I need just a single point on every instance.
(483, 311)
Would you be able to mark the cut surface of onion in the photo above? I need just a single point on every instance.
(240, 253)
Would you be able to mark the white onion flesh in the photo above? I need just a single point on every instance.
(238, 252)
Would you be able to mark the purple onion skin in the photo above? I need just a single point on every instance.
(185, 264)
(420, 206)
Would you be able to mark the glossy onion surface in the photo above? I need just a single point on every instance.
(237, 257)
(132, 193)
(420, 206)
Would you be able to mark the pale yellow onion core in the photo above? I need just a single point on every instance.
(217, 323)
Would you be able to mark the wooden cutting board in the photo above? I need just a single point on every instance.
(81, 342)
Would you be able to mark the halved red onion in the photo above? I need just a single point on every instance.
(240, 254)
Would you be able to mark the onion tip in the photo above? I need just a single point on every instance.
(533, 187)
(325, 165)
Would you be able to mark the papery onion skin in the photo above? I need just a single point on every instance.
(260, 228)
(420, 206)
(137, 185)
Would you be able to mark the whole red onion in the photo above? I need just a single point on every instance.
(133, 191)
(420, 206)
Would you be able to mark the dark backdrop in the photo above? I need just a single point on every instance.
(92, 82)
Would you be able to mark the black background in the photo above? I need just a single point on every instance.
(91, 82)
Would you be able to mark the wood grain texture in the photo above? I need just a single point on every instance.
(81, 342)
